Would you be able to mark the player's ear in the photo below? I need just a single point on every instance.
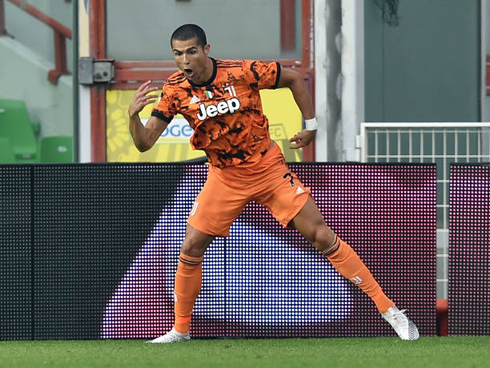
(206, 49)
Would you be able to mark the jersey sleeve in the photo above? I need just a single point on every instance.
(262, 75)
(167, 107)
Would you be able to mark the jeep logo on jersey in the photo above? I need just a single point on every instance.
(223, 107)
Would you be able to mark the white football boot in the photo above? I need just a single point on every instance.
(405, 328)
(171, 336)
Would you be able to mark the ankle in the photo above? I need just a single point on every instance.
(383, 303)
(183, 330)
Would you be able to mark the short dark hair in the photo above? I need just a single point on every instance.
(188, 31)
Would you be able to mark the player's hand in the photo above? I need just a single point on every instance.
(142, 98)
(302, 139)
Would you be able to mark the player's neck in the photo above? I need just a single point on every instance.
(208, 72)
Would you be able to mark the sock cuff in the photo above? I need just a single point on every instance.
(190, 261)
(333, 248)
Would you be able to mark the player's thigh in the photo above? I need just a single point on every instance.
(216, 207)
(282, 194)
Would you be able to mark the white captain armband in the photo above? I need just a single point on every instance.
(311, 124)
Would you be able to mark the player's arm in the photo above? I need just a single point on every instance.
(295, 82)
(144, 137)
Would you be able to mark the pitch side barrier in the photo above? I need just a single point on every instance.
(89, 251)
(469, 249)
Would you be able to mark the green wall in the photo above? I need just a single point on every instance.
(427, 68)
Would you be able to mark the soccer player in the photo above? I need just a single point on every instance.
(220, 99)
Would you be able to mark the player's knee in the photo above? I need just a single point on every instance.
(195, 243)
(192, 248)
(323, 238)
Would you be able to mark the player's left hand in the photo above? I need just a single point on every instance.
(302, 139)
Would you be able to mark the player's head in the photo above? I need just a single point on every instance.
(187, 32)
(190, 49)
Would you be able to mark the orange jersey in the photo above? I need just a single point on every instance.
(225, 112)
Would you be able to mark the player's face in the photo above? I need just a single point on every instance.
(193, 60)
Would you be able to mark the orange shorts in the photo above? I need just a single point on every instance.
(228, 190)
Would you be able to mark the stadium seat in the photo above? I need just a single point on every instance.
(56, 149)
(6, 154)
(16, 126)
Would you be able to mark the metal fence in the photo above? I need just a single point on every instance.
(434, 142)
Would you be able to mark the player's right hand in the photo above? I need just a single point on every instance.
(142, 98)
(302, 139)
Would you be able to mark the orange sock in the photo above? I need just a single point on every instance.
(348, 264)
(188, 282)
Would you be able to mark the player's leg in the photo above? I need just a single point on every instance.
(310, 223)
(289, 202)
(214, 210)
(188, 281)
